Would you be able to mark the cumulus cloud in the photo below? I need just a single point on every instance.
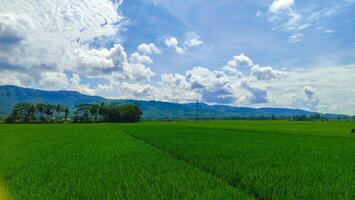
(279, 5)
(125, 90)
(172, 42)
(60, 81)
(174, 87)
(201, 78)
(148, 49)
(218, 87)
(257, 95)
(44, 39)
(198, 83)
(238, 61)
(102, 62)
(135, 72)
(113, 64)
(213, 86)
(137, 58)
(53, 80)
(10, 77)
(265, 73)
(193, 39)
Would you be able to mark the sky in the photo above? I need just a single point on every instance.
(255, 53)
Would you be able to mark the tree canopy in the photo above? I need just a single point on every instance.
(83, 113)
(110, 113)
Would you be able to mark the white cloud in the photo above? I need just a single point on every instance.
(285, 16)
(174, 87)
(180, 50)
(329, 86)
(53, 80)
(137, 58)
(224, 88)
(126, 90)
(203, 78)
(214, 86)
(256, 95)
(100, 62)
(54, 37)
(15, 78)
(279, 5)
(265, 73)
(137, 90)
(75, 85)
(193, 39)
(148, 48)
(242, 59)
(113, 64)
(172, 42)
(136, 72)
(236, 63)
(48, 32)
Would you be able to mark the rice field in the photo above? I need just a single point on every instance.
(178, 160)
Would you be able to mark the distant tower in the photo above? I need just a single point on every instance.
(197, 116)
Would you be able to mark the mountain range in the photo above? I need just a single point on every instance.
(153, 110)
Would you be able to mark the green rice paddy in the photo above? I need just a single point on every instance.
(178, 160)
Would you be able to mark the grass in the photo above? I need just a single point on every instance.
(182, 160)
(97, 162)
(269, 161)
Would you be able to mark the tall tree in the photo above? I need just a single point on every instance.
(66, 113)
(94, 111)
(58, 109)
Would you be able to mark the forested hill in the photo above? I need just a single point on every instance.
(10, 95)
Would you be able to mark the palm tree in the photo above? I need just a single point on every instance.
(40, 108)
(66, 113)
(48, 110)
(58, 109)
(94, 110)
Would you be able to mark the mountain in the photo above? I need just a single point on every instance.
(10, 95)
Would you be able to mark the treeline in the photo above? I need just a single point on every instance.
(315, 117)
(83, 113)
(107, 113)
(40, 112)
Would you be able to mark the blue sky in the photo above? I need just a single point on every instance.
(227, 27)
(258, 53)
